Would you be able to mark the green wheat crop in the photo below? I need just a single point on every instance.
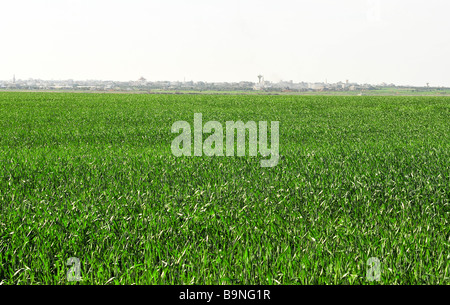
(92, 176)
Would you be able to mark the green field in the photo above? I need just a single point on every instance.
(92, 176)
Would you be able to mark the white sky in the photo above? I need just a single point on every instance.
(406, 42)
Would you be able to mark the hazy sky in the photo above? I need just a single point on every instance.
(399, 41)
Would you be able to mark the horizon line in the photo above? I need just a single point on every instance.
(14, 79)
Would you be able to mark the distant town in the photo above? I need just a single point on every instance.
(142, 85)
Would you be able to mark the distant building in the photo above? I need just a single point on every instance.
(317, 86)
(260, 85)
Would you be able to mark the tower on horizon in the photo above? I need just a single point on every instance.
(260, 85)
(14, 79)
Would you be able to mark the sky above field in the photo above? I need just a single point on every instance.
(406, 42)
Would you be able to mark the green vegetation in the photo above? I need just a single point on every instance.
(410, 91)
(92, 176)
